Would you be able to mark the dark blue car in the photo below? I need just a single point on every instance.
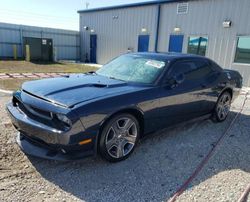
(107, 111)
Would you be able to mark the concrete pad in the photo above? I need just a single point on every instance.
(27, 74)
(55, 76)
(42, 75)
(14, 74)
(4, 77)
(18, 76)
(39, 74)
(32, 76)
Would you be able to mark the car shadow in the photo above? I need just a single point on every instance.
(158, 167)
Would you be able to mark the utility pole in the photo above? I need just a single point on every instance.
(87, 5)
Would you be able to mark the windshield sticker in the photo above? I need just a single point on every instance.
(155, 63)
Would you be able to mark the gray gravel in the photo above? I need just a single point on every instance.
(227, 174)
(159, 165)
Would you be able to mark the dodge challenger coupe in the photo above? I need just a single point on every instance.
(107, 111)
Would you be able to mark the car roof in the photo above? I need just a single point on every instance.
(167, 56)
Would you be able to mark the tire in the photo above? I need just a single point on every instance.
(119, 137)
(222, 107)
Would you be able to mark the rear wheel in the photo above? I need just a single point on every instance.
(222, 108)
(119, 137)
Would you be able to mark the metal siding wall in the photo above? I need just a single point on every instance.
(115, 36)
(66, 42)
(9, 37)
(205, 18)
(67, 46)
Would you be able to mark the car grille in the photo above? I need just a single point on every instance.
(39, 112)
(36, 114)
(27, 109)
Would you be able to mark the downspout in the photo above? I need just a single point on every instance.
(80, 39)
(157, 27)
(21, 42)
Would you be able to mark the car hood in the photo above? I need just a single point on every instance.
(75, 88)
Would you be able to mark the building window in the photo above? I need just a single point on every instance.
(243, 50)
(197, 45)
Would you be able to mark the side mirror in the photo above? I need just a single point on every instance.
(179, 78)
(176, 80)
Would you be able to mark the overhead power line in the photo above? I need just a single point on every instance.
(33, 14)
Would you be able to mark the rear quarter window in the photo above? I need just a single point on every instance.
(203, 68)
(215, 66)
(193, 69)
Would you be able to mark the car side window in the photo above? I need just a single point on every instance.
(215, 66)
(203, 69)
(192, 70)
(184, 67)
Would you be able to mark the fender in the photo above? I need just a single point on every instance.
(108, 117)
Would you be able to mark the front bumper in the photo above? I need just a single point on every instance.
(31, 127)
(40, 140)
(33, 148)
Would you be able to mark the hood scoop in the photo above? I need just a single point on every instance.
(96, 85)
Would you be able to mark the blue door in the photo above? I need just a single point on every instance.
(175, 43)
(93, 38)
(143, 42)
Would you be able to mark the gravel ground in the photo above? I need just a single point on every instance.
(158, 167)
(227, 174)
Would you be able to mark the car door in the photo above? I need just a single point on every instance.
(181, 100)
(209, 78)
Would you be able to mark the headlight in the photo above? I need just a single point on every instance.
(64, 119)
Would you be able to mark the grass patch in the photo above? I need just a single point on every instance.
(12, 84)
(12, 66)
(19, 66)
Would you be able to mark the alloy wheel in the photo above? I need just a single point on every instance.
(223, 106)
(121, 137)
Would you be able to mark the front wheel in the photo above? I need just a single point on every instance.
(222, 108)
(119, 137)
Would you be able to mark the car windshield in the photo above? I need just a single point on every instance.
(133, 68)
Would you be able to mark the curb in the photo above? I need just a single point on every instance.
(6, 91)
(30, 75)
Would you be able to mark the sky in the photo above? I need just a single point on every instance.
(50, 13)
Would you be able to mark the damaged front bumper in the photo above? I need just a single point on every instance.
(40, 140)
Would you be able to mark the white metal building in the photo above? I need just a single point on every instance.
(65, 42)
(218, 29)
